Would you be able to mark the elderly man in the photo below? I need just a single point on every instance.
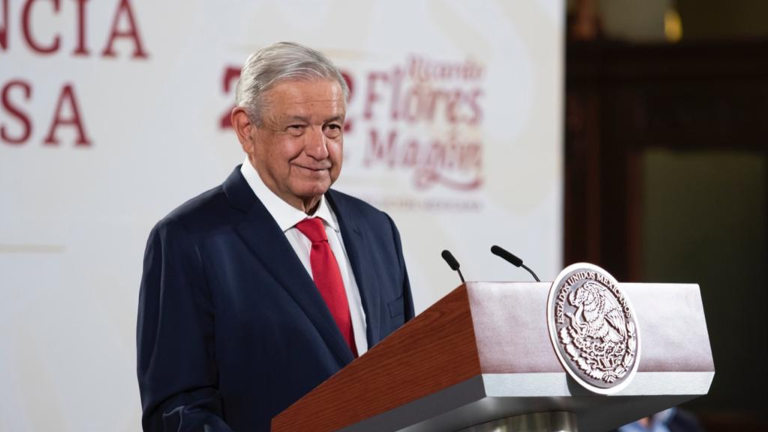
(258, 290)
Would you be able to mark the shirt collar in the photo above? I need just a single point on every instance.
(284, 214)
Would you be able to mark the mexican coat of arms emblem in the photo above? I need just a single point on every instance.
(593, 328)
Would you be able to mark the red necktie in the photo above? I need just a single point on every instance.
(325, 272)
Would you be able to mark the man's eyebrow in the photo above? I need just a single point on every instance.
(303, 119)
(297, 118)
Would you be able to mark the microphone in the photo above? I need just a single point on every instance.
(452, 263)
(512, 259)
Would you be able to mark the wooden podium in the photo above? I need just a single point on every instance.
(483, 353)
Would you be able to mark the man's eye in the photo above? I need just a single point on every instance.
(333, 130)
(296, 129)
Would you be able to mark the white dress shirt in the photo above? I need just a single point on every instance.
(287, 217)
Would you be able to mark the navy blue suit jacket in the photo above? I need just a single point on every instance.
(231, 328)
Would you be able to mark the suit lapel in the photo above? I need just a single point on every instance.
(267, 241)
(357, 250)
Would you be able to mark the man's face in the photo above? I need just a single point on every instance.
(297, 149)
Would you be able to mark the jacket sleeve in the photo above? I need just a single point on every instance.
(407, 296)
(175, 337)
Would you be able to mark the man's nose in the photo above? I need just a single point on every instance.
(317, 144)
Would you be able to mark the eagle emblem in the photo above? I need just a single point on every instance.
(593, 328)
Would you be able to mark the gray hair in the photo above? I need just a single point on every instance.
(280, 62)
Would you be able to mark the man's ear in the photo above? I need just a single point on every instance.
(243, 128)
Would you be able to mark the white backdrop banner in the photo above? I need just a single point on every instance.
(114, 112)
